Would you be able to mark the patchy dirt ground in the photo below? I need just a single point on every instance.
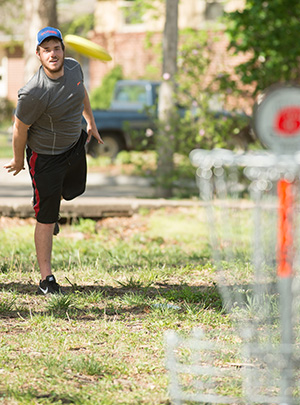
(116, 225)
(124, 224)
(7, 222)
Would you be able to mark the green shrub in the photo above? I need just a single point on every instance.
(101, 96)
(6, 110)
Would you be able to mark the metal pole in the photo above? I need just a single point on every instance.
(285, 256)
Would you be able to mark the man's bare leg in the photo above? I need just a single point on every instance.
(43, 237)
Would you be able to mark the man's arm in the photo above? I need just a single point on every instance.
(19, 141)
(88, 116)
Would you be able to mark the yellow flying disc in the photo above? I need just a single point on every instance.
(87, 47)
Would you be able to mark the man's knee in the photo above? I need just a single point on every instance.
(42, 225)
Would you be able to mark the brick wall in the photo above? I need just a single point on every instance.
(129, 51)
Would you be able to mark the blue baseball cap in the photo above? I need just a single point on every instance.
(47, 32)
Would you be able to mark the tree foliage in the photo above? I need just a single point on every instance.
(101, 96)
(11, 15)
(6, 110)
(267, 32)
(139, 8)
(80, 25)
(204, 124)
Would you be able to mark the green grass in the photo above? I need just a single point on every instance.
(128, 281)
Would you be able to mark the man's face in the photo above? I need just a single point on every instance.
(51, 55)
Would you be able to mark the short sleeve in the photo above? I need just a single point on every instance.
(28, 108)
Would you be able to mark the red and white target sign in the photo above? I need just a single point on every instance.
(276, 119)
(287, 121)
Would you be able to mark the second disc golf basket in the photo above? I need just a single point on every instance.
(252, 205)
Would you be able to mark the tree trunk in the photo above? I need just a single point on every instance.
(166, 105)
(38, 14)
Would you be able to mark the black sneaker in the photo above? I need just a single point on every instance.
(56, 229)
(49, 286)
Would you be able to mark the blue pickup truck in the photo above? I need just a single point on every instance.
(129, 121)
(131, 115)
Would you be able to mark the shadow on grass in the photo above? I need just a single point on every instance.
(31, 396)
(206, 297)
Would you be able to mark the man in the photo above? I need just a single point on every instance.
(48, 124)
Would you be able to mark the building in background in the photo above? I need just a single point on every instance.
(131, 39)
(11, 67)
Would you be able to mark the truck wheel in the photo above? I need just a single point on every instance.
(111, 147)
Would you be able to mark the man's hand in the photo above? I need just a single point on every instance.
(93, 131)
(19, 140)
(91, 128)
(14, 167)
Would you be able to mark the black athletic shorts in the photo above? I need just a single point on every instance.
(56, 176)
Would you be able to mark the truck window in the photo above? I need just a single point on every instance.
(131, 94)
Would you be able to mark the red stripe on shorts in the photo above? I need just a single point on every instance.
(32, 164)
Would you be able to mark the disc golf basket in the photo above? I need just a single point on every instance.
(252, 206)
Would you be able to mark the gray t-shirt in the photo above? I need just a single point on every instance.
(53, 109)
